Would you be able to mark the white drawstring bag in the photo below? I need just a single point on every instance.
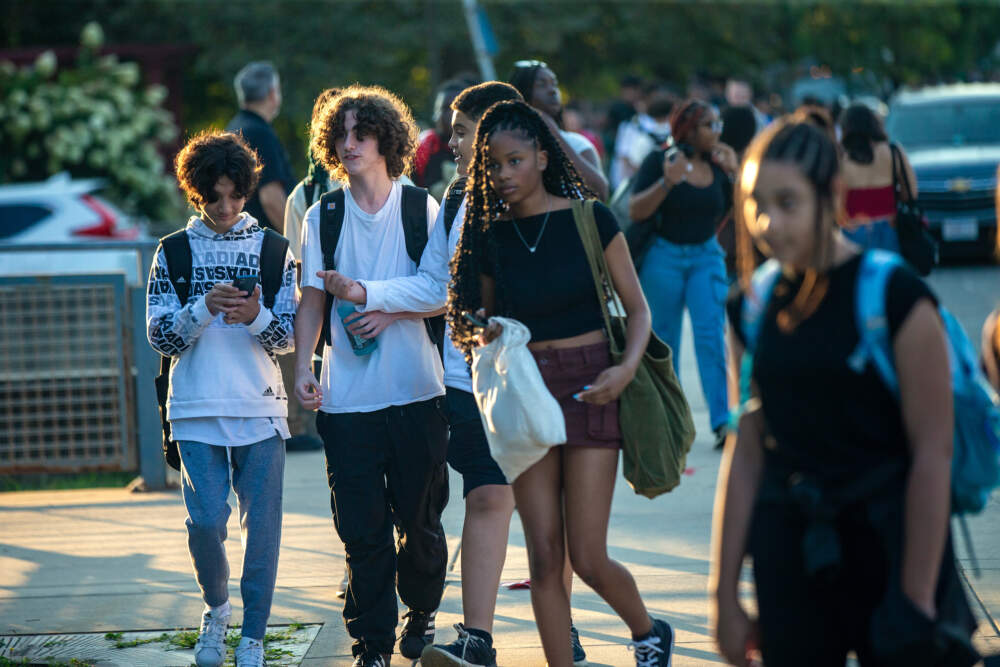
(521, 418)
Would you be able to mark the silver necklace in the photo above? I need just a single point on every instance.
(545, 221)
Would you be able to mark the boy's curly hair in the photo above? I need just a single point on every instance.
(381, 114)
(210, 155)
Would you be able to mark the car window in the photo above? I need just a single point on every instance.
(946, 124)
(16, 218)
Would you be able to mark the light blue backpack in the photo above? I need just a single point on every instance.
(975, 469)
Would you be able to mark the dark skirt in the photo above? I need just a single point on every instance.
(567, 371)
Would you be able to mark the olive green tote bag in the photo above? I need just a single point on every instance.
(656, 423)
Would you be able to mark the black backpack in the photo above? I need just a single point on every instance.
(331, 223)
(453, 201)
(177, 251)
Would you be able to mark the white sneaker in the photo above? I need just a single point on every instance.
(250, 653)
(210, 651)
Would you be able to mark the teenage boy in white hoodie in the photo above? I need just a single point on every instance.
(381, 413)
(227, 407)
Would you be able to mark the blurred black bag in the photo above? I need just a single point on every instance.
(916, 244)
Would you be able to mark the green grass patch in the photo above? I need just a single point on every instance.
(55, 482)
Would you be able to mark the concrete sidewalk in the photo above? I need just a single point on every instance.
(107, 560)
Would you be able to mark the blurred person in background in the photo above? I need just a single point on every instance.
(258, 91)
(685, 192)
(434, 163)
(540, 88)
(644, 133)
(868, 172)
(575, 119)
(739, 126)
(622, 109)
(739, 93)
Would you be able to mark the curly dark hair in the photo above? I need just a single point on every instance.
(381, 114)
(798, 141)
(477, 242)
(210, 155)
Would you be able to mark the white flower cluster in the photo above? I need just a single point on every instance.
(90, 120)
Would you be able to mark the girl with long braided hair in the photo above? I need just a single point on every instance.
(520, 256)
(837, 486)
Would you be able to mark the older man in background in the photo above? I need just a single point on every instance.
(258, 91)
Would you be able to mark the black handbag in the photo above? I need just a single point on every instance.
(916, 244)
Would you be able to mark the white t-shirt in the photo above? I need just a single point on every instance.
(405, 367)
(577, 141)
(427, 291)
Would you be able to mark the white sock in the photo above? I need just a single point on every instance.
(222, 611)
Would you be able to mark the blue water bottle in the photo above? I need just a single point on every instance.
(360, 346)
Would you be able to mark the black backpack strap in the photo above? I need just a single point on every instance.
(414, 209)
(177, 251)
(309, 188)
(273, 250)
(452, 202)
(415, 232)
(331, 222)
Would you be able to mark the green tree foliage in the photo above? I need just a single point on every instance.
(411, 45)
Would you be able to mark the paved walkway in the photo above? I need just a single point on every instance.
(107, 560)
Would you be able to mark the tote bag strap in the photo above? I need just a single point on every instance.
(586, 227)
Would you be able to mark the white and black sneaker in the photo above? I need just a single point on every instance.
(210, 650)
(654, 650)
(370, 659)
(469, 650)
(418, 632)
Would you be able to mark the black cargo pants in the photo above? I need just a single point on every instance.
(388, 468)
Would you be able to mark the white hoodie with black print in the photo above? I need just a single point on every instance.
(222, 373)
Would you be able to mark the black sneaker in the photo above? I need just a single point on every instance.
(418, 632)
(579, 655)
(468, 650)
(654, 649)
(720, 436)
(370, 659)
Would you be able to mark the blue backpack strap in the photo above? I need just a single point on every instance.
(751, 319)
(755, 303)
(874, 343)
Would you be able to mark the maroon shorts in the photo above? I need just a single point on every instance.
(566, 372)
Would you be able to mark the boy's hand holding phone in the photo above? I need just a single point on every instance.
(246, 309)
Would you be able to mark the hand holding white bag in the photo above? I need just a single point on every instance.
(521, 418)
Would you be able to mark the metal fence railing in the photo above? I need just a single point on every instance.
(76, 372)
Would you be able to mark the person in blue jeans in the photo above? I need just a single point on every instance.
(686, 190)
(227, 405)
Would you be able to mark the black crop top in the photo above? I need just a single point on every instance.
(689, 214)
(551, 290)
(826, 419)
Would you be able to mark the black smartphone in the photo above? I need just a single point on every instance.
(245, 284)
(473, 320)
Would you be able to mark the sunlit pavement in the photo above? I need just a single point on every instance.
(106, 560)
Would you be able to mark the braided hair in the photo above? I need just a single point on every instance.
(484, 207)
(794, 140)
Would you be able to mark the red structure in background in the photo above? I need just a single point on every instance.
(160, 64)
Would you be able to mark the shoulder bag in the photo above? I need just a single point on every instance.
(916, 244)
(656, 422)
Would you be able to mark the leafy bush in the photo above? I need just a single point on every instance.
(91, 120)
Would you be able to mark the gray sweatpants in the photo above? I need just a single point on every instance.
(257, 477)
